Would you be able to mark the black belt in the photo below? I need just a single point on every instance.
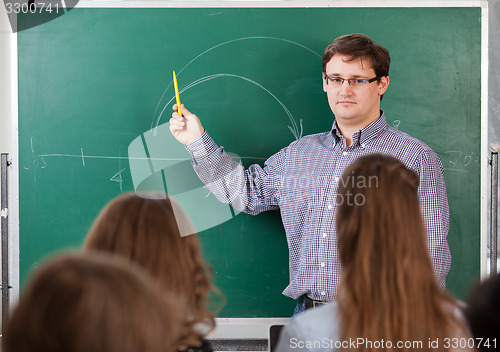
(311, 303)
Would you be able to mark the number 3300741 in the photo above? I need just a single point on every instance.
(462, 343)
(27, 8)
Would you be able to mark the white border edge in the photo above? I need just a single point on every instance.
(244, 328)
(483, 256)
(14, 179)
(283, 3)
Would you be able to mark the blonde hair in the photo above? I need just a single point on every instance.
(145, 229)
(388, 289)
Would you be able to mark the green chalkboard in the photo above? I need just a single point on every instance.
(94, 82)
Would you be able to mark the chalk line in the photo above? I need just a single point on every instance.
(295, 129)
(219, 45)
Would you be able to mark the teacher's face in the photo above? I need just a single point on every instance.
(359, 105)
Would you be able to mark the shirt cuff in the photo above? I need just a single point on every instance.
(202, 147)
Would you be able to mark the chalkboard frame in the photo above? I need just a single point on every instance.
(397, 4)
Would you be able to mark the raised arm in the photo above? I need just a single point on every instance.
(252, 191)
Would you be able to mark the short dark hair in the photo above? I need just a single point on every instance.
(362, 47)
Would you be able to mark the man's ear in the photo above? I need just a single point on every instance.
(384, 83)
(323, 77)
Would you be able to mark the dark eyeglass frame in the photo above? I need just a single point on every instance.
(351, 80)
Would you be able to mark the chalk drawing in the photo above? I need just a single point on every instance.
(297, 133)
(127, 157)
(83, 157)
(294, 129)
(460, 160)
(118, 178)
(37, 162)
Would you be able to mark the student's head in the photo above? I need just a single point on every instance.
(144, 228)
(483, 312)
(388, 289)
(380, 224)
(99, 303)
(357, 58)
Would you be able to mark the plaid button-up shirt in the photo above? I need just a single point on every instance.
(301, 181)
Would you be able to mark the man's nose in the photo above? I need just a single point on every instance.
(345, 87)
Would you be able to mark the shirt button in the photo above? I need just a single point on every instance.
(363, 146)
(324, 235)
(336, 179)
(322, 265)
(344, 153)
(330, 207)
(323, 293)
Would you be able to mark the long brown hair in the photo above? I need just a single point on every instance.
(388, 290)
(145, 229)
(100, 303)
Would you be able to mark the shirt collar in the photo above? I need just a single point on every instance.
(366, 133)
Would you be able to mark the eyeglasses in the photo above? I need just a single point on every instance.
(338, 82)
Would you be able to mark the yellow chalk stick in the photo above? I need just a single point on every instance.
(177, 99)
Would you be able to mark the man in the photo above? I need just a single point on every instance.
(301, 180)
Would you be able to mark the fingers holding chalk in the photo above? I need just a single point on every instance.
(186, 128)
(182, 108)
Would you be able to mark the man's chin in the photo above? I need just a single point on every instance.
(345, 115)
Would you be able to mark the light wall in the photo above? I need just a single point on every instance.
(5, 81)
(8, 144)
(494, 72)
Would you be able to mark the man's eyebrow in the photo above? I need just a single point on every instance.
(352, 76)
